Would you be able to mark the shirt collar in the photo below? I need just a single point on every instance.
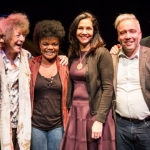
(122, 54)
(6, 59)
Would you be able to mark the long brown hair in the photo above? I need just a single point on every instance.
(96, 41)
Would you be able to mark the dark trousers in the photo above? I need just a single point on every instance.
(14, 137)
(132, 136)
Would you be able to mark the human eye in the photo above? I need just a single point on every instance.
(55, 44)
(89, 28)
(45, 44)
(132, 31)
(24, 35)
(122, 32)
(17, 35)
(80, 28)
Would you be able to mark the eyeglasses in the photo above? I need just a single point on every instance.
(1, 36)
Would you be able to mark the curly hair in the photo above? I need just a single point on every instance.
(48, 29)
(96, 41)
(14, 21)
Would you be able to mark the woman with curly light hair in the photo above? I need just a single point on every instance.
(49, 87)
(15, 104)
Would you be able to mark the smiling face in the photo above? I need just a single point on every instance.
(84, 32)
(14, 45)
(49, 48)
(129, 36)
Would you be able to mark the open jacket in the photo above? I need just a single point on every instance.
(99, 81)
(144, 71)
(34, 64)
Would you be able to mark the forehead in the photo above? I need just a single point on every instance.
(50, 39)
(18, 30)
(128, 24)
(85, 22)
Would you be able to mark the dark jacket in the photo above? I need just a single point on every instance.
(99, 80)
(34, 64)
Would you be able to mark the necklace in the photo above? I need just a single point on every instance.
(80, 65)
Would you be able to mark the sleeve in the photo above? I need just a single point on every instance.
(106, 76)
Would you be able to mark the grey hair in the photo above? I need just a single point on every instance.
(125, 16)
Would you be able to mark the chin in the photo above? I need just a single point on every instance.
(53, 58)
(17, 51)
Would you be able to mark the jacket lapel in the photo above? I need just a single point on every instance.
(142, 61)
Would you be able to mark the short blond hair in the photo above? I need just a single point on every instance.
(125, 16)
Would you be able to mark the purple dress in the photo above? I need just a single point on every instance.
(78, 131)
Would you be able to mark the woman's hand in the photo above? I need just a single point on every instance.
(115, 49)
(97, 129)
(63, 59)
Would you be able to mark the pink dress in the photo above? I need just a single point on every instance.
(78, 131)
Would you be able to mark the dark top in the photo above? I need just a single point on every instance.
(47, 103)
(79, 80)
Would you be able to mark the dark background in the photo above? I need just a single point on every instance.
(66, 10)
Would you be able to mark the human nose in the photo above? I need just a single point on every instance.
(1, 40)
(128, 35)
(50, 46)
(22, 38)
(84, 31)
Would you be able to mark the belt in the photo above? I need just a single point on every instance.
(135, 121)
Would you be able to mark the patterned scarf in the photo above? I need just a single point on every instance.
(24, 116)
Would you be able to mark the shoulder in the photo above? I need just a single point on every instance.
(102, 51)
(27, 53)
(145, 41)
(61, 68)
(34, 60)
(144, 48)
(58, 63)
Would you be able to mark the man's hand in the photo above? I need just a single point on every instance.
(63, 59)
(115, 49)
(97, 129)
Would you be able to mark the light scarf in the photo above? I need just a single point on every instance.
(24, 116)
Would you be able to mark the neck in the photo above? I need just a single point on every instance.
(47, 63)
(85, 48)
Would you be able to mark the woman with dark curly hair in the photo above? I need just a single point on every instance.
(49, 87)
(90, 124)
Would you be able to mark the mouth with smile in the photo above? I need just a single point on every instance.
(19, 45)
(129, 43)
(49, 53)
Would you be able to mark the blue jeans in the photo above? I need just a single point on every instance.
(46, 140)
(131, 136)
